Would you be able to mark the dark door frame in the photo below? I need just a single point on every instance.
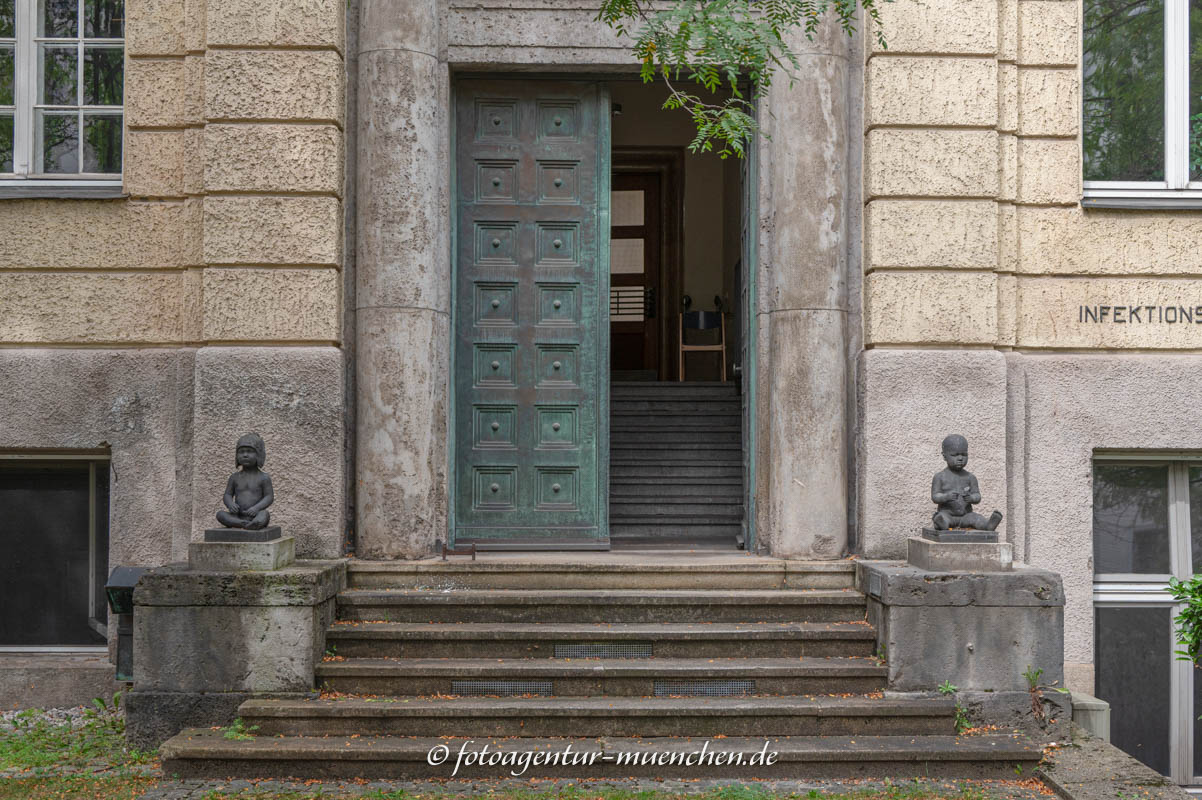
(668, 163)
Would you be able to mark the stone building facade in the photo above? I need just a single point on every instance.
(924, 258)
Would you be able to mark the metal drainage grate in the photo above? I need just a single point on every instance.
(603, 650)
(704, 688)
(501, 688)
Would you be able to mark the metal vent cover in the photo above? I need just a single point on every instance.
(501, 688)
(730, 688)
(603, 649)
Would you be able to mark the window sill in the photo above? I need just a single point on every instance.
(92, 189)
(1143, 199)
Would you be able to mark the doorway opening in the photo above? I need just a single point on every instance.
(679, 414)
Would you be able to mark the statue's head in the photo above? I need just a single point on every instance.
(248, 444)
(955, 451)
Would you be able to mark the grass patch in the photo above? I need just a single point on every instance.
(35, 742)
(76, 787)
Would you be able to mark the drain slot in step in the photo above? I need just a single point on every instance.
(603, 650)
(501, 688)
(733, 688)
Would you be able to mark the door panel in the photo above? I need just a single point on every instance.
(531, 382)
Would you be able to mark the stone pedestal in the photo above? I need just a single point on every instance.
(206, 639)
(959, 556)
(978, 630)
(242, 556)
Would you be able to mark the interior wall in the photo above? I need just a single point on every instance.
(644, 122)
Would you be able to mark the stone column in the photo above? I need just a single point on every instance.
(403, 284)
(803, 303)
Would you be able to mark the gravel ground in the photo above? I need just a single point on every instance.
(75, 717)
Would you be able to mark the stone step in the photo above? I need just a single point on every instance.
(672, 389)
(685, 448)
(609, 677)
(600, 716)
(674, 422)
(658, 437)
(203, 753)
(668, 507)
(666, 570)
(667, 533)
(602, 605)
(562, 640)
(690, 469)
(676, 407)
(676, 487)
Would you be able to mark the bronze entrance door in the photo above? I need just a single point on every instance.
(531, 381)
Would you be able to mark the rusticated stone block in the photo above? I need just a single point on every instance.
(1048, 33)
(946, 163)
(272, 230)
(46, 234)
(156, 93)
(312, 23)
(1049, 171)
(245, 304)
(154, 163)
(154, 27)
(930, 308)
(931, 233)
(75, 307)
(931, 91)
(285, 85)
(1049, 102)
(1153, 313)
(1070, 240)
(273, 158)
(938, 26)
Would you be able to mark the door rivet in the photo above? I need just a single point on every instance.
(496, 242)
(496, 426)
(554, 426)
(557, 304)
(558, 121)
(555, 365)
(496, 365)
(496, 120)
(496, 487)
(496, 303)
(496, 181)
(558, 243)
(555, 487)
(558, 182)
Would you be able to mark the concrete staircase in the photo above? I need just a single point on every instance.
(628, 663)
(676, 464)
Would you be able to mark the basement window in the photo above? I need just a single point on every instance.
(1147, 527)
(54, 543)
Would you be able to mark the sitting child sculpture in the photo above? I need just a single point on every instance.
(954, 489)
(248, 492)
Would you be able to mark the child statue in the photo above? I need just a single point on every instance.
(955, 490)
(248, 492)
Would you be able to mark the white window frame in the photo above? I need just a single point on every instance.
(1177, 190)
(1138, 590)
(23, 180)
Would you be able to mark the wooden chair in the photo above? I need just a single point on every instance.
(703, 321)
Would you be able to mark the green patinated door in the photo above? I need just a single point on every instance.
(531, 380)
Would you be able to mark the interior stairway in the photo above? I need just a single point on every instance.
(629, 664)
(676, 464)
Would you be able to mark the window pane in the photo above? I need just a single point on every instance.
(102, 76)
(626, 208)
(626, 256)
(59, 137)
(57, 18)
(1123, 65)
(1133, 674)
(1195, 525)
(7, 56)
(6, 143)
(8, 17)
(102, 143)
(57, 76)
(1195, 102)
(104, 19)
(1131, 519)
